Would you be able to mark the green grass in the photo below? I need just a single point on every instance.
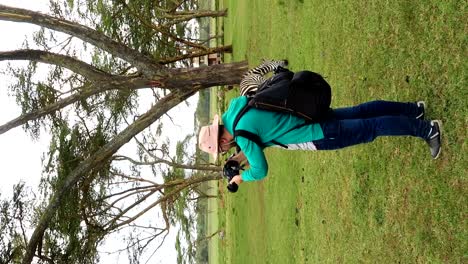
(383, 202)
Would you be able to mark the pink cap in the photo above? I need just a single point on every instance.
(208, 138)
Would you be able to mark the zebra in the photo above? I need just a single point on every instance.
(252, 79)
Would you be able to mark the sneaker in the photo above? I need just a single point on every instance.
(434, 141)
(421, 105)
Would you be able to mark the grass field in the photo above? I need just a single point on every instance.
(383, 202)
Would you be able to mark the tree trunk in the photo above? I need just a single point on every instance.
(174, 79)
(204, 77)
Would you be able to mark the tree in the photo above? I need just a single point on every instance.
(80, 208)
(13, 215)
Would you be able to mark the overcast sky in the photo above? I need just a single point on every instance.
(21, 157)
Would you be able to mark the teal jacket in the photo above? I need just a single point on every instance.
(268, 126)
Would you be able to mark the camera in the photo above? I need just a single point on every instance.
(231, 168)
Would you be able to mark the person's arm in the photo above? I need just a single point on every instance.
(256, 158)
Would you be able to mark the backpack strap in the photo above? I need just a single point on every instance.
(247, 134)
(244, 133)
(250, 136)
(241, 113)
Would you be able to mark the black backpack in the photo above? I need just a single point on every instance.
(305, 94)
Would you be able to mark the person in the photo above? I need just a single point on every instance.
(343, 127)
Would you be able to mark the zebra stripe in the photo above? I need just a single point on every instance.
(254, 77)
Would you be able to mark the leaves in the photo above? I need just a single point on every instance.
(13, 222)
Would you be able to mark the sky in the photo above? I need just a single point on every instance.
(20, 156)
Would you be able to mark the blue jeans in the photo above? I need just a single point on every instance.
(363, 123)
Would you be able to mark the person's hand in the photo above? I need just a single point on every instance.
(237, 179)
(239, 157)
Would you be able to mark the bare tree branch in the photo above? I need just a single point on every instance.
(157, 248)
(144, 63)
(98, 159)
(90, 72)
(134, 178)
(169, 163)
(219, 231)
(200, 53)
(183, 16)
(111, 224)
(186, 183)
(164, 29)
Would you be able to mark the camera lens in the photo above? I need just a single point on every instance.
(233, 187)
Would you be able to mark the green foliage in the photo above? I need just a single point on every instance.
(187, 210)
(201, 209)
(132, 23)
(202, 118)
(26, 95)
(67, 240)
(108, 63)
(202, 112)
(13, 220)
(180, 253)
